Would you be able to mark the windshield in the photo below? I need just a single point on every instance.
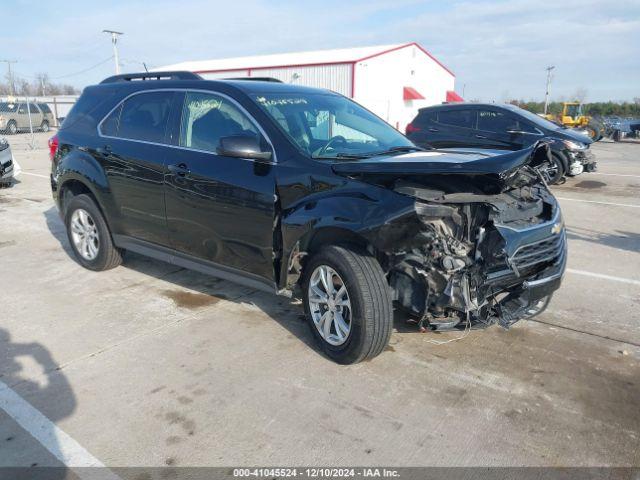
(331, 126)
(538, 120)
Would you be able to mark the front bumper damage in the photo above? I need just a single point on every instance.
(489, 260)
(581, 161)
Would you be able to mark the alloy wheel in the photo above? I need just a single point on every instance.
(329, 305)
(84, 234)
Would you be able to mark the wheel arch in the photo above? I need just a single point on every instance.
(312, 242)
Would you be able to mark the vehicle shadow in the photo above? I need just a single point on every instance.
(288, 312)
(629, 241)
(53, 393)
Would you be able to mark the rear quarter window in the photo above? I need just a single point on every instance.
(44, 107)
(90, 103)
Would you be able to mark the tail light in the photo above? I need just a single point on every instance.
(411, 128)
(53, 147)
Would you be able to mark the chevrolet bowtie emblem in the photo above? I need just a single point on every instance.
(557, 228)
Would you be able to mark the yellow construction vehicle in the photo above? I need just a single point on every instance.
(572, 116)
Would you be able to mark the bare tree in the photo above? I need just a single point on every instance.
(42, 81)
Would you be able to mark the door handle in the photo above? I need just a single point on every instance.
(481, 136)
(431, 129)
(179, 169)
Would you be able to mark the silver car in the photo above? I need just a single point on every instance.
(14, 117)
(8, 168)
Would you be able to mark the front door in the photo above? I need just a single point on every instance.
(220, 208)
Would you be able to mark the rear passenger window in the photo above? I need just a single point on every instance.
(33, 108)
(457, 118)
(494, 121)
(425, 117)
(144, 117)
(44, 107)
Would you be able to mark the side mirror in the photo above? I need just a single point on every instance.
(242, 146)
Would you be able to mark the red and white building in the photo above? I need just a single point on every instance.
(393, 81)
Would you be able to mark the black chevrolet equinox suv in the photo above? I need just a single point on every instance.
(300, 191)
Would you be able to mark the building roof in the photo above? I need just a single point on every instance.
(317, 57)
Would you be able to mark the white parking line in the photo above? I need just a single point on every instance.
(604, 277)
(34, 174)
(56, 441)
(614, 174)
(600, 203)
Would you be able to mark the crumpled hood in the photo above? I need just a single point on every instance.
(476, 162)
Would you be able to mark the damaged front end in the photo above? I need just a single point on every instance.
(477, 249)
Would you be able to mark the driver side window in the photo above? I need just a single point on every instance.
(206, 118)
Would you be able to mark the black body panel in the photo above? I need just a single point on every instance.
(253, 220)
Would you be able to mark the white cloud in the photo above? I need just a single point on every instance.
(493, 46)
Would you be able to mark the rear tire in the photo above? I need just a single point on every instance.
(89, 235)
(370, 315)
(45, 126)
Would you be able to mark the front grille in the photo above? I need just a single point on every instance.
(536, 253)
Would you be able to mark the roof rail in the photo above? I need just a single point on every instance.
(256, 79)
(128, 77)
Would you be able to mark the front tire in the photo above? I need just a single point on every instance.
(347, 303)
(12, 128)
(555, 170)
(89, 235)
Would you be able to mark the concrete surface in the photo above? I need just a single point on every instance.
(153, 365)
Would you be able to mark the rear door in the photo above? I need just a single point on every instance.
(132, 150)
(219, 208)
(423, 130)
(498, 129)
(453, 128)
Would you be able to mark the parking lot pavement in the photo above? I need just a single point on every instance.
(149, 364)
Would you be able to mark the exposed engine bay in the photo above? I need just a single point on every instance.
(470, 244)
(465, 265)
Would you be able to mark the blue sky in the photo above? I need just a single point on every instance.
(497, 49)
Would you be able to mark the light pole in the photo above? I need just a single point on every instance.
(9, 74)
(114, 41)
(546, 96)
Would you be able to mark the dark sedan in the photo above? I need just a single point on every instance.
(501, 127)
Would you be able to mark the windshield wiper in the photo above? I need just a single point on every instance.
(342, 156)
(359, 156)
(398, 149)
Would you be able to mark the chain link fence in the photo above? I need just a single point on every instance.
(19, 114)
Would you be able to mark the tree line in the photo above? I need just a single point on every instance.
(40, 85)
(619, 109)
